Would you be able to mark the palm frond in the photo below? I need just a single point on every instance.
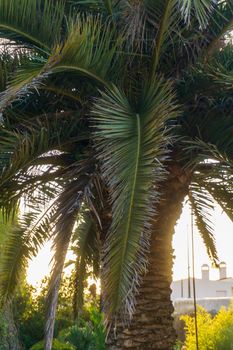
(22, 244)
(108, 5)
(131, 167)
(89, 51)
(64, 230)
(25, 148)
(86, 247)
(164, 16)
(88, 6)
(220, 67)
(35, 22)
(223, 195)
(202, 206)
(217, 178)
(198, 151)
(68, 206)
(220, 27)
(201, 9)
(9, 62)
(29, 76)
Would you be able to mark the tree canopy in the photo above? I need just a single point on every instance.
(101, 97)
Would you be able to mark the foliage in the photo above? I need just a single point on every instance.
(57, 345)
(29, 311)
(214, 333)
(178, 345)
(111, 98)
(29, 314)
(88, 334)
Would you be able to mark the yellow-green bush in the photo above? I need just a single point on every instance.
(214, 333)
(57, 345)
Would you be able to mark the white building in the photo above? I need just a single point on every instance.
(205, 288)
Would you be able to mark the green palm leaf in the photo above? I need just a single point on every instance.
(217, 178)
(164, 15)
(69, 204)
(131, 166)
(89, 51)
(64, 230)
(28, 76)
(36, 22)
(108, 5)
(220, 26)
(86, 247)
(223, 195)
(27, 167)
(202, 206)
(199, 8)
(23, 242)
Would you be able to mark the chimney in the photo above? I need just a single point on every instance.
(205, 272)
(222, 270)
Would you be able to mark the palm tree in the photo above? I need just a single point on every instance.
(118, 111)
(9, 333)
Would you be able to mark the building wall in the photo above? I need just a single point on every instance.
(212, 305)
(204, 288)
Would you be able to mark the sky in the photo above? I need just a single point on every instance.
(223, 228)
(40, 266)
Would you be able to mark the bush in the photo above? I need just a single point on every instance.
(178, 345)
(57, 345)
(214, 333)
(80, 337)
(88, 334)
(29, 311)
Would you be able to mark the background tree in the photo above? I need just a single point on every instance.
(119, 111)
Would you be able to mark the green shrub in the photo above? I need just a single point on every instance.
(80, 337)
(57, 345)
(178, 345)
(88, 334)
(29, 311)
(223, 329)
(214, 333)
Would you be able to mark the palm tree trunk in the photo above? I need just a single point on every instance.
(152, 323)
(11, 340)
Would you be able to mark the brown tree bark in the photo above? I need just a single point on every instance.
(152, 323)
(11, 340)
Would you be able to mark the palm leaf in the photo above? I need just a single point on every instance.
(89, 51)
(216, 178)
(35, 22)
(201, 9)
(108, 5)
(164, 16)
(86, 247)
(220, 67)
(8, 64)
(220, 26)
(202, 205)
(131, 144)
(198, 151)
(24, 148)
(223, 195)
(28, 76)
(68, 206)
(64, 230)
(23, 242)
